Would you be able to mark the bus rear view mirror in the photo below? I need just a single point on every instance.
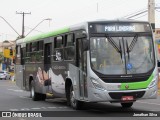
(85, 45)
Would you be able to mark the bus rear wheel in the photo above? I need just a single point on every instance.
(36, 96)
(75, 104)
(127, 105)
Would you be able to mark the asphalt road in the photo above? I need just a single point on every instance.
(12, 99)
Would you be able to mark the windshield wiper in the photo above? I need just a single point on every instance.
(127, 50)
(130, 48)
(114, 44)
(118, 48)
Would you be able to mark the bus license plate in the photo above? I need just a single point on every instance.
(127, 98)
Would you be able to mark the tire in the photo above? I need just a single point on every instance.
(35, 96)
(127, 105)
(75, 104)
(43, 97)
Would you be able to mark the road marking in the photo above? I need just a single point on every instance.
(25, 97)
(23, 109)
(52, 107)
(154, 110)
(18, 90)
(13, 109)
(35, 108)
(148, 103)
(22, 119)
(28, 109)
(61, 107)
(15, 90)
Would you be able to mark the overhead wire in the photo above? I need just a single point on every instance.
(137, 13)
(141, 16)
(132, 14)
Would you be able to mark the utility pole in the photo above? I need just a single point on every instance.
(151, 13)
(22, 13)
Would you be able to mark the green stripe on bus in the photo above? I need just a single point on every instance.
(136, 85)
(45, 35)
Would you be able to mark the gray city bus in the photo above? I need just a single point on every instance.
(96, 61)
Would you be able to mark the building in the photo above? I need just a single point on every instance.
(6, 55)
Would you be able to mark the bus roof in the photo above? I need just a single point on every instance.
(69, 29)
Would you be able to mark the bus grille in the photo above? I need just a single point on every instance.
(118, 95)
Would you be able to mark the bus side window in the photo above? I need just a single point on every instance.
(18, 54)
(33, 52)
(27, 57)
(58, 42)
(69, 50)
(70, 40)
(41, 50)
(58, 48)
(37, 55)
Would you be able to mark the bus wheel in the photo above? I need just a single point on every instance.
(35, 96)
(127, 105)
(75, 104)
(43, 97)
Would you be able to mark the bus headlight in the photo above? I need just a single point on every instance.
(153, 82)
(96, 84)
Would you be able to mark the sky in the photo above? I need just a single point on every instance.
(64, 13)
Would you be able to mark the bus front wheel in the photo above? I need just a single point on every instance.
(75, 104)
(127, 105)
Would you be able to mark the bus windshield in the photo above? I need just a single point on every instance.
(122, 55)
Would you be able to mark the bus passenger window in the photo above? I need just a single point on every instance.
(69, 53)
(69, 49)
(58, 51)
(58, 42)
(70, 40)
(27, 56)
(58, 55)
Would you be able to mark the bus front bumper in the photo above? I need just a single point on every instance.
(96, 95)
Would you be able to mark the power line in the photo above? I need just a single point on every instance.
(131, 14)
(157, 10)
(137, 14)
(9, 25)
(37, 25)
(141, 16)
(34, 30)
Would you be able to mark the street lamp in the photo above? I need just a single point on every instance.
(37, 25)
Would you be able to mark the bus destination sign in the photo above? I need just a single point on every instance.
(119, 27)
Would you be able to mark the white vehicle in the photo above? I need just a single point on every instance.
(4, 75)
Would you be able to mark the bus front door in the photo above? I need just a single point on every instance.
(82, 65)
(47, 65)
